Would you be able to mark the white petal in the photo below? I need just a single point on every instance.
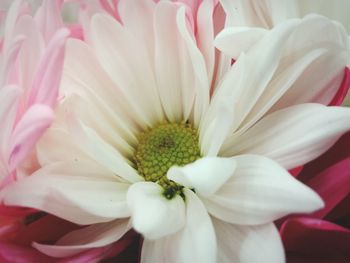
(205, 35)
(77, 191)
(262, 13)
(259, 192)
(137, 16)
(153, 215)
(173, 66)
(248, 244)
(196, 242)
(103, 153)
(119, 51)
(239, 88)
(321, 80)
(202, 84)
(97, 235)
(293, 136)
(235, 40)
(157, 251)
(93, 84)
(205, 175)
(278, 86)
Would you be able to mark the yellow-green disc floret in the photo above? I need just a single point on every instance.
(163, 146)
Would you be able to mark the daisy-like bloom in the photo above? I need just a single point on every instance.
(155, 135)
(30, 71)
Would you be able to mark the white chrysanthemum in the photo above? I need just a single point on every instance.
(140, 143)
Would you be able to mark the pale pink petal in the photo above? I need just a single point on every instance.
(48, 76)
(248, 244)
(48, 18)
(96, 235)
(9, 97)
(28, 130)
(260, 191)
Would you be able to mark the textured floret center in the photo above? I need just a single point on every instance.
(163, 146)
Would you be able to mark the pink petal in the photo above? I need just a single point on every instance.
(48, 18)
(315, 239)
(343, 89)
(47, 79)
(28, 130)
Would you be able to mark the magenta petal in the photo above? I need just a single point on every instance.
(338, 152)
(296, 171)
(333, 185)
(314, 240)
(10, 253)
(343, 89)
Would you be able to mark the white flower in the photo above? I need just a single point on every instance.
(135, 95)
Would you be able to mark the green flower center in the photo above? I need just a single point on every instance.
(163, 146)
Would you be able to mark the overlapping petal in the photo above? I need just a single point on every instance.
(260, 191)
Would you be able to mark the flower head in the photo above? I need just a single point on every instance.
(158, 133)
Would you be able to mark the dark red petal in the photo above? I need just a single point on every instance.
(313, 240)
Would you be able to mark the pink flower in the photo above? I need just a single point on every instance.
(31, 66)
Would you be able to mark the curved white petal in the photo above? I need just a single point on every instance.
(260, 191)
(239, 88)
(153, 215)
(76, 191)
(205, 175)
(196, 242)
(235, 40)
(96, 235)
(293, 136)
(248, 244)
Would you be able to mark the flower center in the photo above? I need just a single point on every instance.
(163, 146)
